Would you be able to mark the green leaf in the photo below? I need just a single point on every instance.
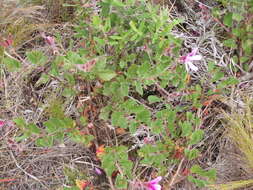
(105, 112)
(116, 37)
(144, 70)
(117, 3)
(153, 99)
(54, 124)
(198, 182)
(197, 169)
(238, 17)
(217, 76)
(144, 116)
(118, 119)
(20, 122)
(44, 78)
(34, 129)
(70, 78)
(124, 88)
(75, 58)
(196, 137)
(71, 188)
(228, 19)
(46, 141)
(186, 129)
(231, 43)
(211, 174)
(108, 162)
(133, 27)
(237, 31)
(96, 21)
(68, 92)
(138, 87)
(121, 182)
(22, 137)
(211, 66)
(191, 154)
(107, 75)
(11, 64)
(76, 136)
(36, 57)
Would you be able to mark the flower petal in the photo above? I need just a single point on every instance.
(156, 180)
(187, 67)
(191, 66)
(2, 123)
(157, 187)
(195, 58)
(98, 171)
(193, 52)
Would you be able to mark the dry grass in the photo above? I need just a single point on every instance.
(234, 163)
(51, 168)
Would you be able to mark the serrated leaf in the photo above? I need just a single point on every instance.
(107, 75)
(237, 16)
(228, 19)
(46, 141)
(133, 27)
(118, 119)
(11, 64)
(96, 20)
(231, 43)
(117, 3)
(20, 122)
(196, 137)
(33, 128)
(153, 99)
(138, 88)
(36, 57)
(186, 129)
(191, 154)
(198, 182)
(121, 182)
(43, 80)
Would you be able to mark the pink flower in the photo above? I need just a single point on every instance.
(189, 58)
(98, 171)
(153, 184)
(2, 123)
(50, 40)
(7, 42)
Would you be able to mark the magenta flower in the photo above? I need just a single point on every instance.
(7, 42)
(153, 184)
(189, 58)
(2, 123)
(98, 171)
(50, 41)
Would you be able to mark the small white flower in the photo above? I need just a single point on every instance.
(189, 58)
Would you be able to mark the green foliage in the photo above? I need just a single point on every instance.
(237, 18)
(239, 127)
(125, 51)
(36, 57)
(115, 158)
(54, 131)
(12, 64)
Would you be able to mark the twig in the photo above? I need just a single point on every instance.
(173, 179)
(30, 175)
(140, 103)
(111, 183)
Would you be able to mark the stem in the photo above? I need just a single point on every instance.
(173, 179)
(111, 183)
